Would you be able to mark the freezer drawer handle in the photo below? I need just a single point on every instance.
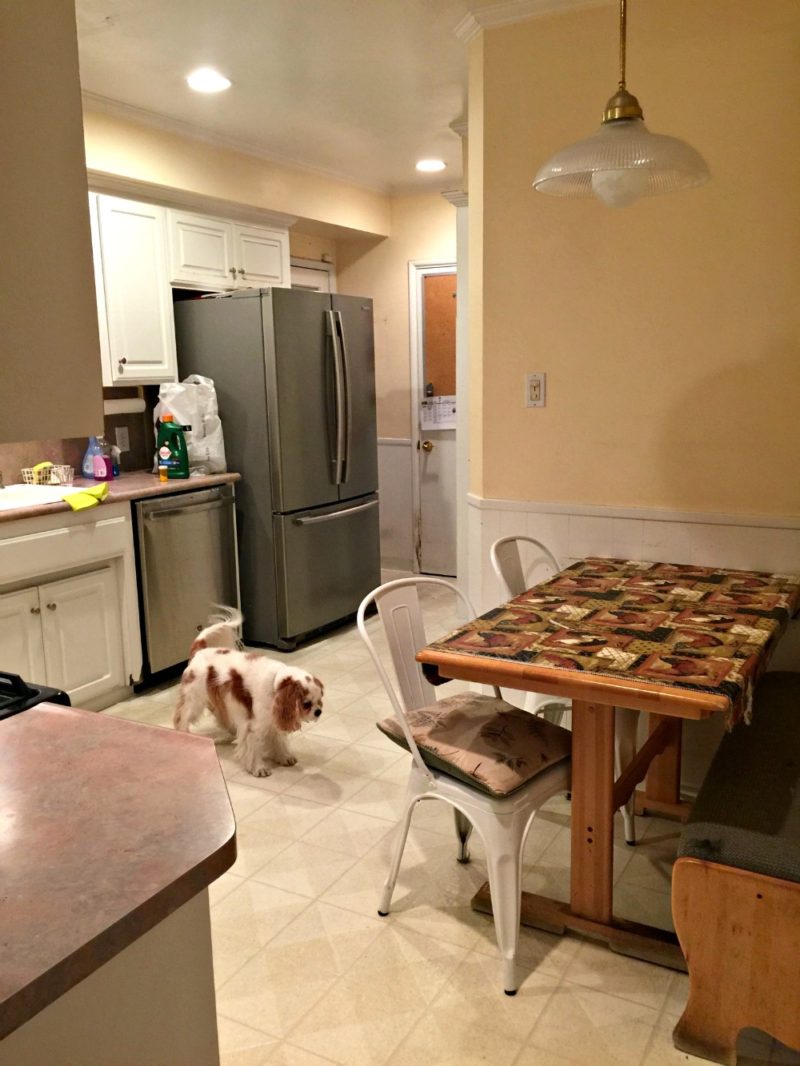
(213, 505)
(335, 514)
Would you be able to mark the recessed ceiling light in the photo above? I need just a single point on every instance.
(431, 165)
(207, 80)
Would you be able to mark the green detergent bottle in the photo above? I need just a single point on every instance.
(171, 448)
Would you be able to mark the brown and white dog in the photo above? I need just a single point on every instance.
(257, 699)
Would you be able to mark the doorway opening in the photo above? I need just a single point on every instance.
(433, 304)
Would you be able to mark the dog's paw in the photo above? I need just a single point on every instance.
(290, 760)
(261, 771)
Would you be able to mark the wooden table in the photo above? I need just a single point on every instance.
(678, 642)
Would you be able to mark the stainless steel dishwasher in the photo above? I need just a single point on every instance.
(187, 563)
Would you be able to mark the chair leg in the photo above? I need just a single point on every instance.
(503, 837)
(400, 843)
(624, 750)
(463, 832)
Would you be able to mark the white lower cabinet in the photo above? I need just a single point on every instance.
(66, 634)
(21, 642)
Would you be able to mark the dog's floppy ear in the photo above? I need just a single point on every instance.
(288, 705)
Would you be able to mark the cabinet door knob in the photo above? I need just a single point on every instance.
(232, 271)
(52, 606)
(240, 271)
(36, 610)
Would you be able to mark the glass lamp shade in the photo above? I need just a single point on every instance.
(620, 163)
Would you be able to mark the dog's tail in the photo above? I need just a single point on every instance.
(220, 631)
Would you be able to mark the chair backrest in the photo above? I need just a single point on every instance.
(400, 612)
(507, 562)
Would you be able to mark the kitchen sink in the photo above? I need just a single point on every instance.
(13, 496)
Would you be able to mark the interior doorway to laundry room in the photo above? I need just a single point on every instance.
(433, 304)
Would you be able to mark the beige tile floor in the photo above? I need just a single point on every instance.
(306, 972)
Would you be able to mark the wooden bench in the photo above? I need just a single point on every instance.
(736, 883)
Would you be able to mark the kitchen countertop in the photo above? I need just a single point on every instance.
(106, 828)
(130, 486)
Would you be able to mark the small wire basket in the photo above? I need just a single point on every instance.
(48, 475)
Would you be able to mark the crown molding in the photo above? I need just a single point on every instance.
(117, 109)
(503, 14)
(168, 196)
(457, 197)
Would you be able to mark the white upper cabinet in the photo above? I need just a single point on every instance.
(262, 256)
(201, 251)
(216, 255)
(133, 292)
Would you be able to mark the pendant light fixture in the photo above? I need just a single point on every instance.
(623, 160)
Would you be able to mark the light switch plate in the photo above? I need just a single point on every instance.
(534, 390)
(123, 438)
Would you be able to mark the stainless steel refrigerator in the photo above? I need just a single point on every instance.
(295, 380)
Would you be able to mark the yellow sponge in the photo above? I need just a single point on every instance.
(80, 499)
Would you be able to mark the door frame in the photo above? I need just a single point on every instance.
(315, 264)
(418, 270)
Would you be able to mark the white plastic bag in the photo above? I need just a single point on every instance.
(193, 402)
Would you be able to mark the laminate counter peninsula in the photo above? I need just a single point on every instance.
(110, 834)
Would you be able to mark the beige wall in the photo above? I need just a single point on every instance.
(475, 171)
(49, 350)
(309, 246)
(143, 153)
(668, 330)
(423, 228)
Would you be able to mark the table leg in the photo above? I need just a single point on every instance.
(662, 792)
(592, 810)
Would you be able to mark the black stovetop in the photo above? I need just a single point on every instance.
(17, 695)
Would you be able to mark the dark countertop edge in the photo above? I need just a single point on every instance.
(50, 985)
(118, 494)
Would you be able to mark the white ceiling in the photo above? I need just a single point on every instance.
(356, 89)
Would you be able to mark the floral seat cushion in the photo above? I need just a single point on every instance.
(483, 741)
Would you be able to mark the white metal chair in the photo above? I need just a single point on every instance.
(502, 820)
(507, 564)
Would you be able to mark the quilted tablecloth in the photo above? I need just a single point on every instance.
(690, 626)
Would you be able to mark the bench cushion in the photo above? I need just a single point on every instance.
(483, 741)
(747, 813)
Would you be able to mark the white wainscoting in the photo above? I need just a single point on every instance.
(394, 486)
(572, 532)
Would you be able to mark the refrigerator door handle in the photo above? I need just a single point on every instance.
(339, 399)
(347, 399)
(312, 520)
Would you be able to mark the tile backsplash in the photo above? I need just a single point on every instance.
(140, 433)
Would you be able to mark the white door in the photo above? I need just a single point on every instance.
(83, 635)
(435, 297)
(201, 251)
(261, 256)
(141, 327)
(21, 646)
